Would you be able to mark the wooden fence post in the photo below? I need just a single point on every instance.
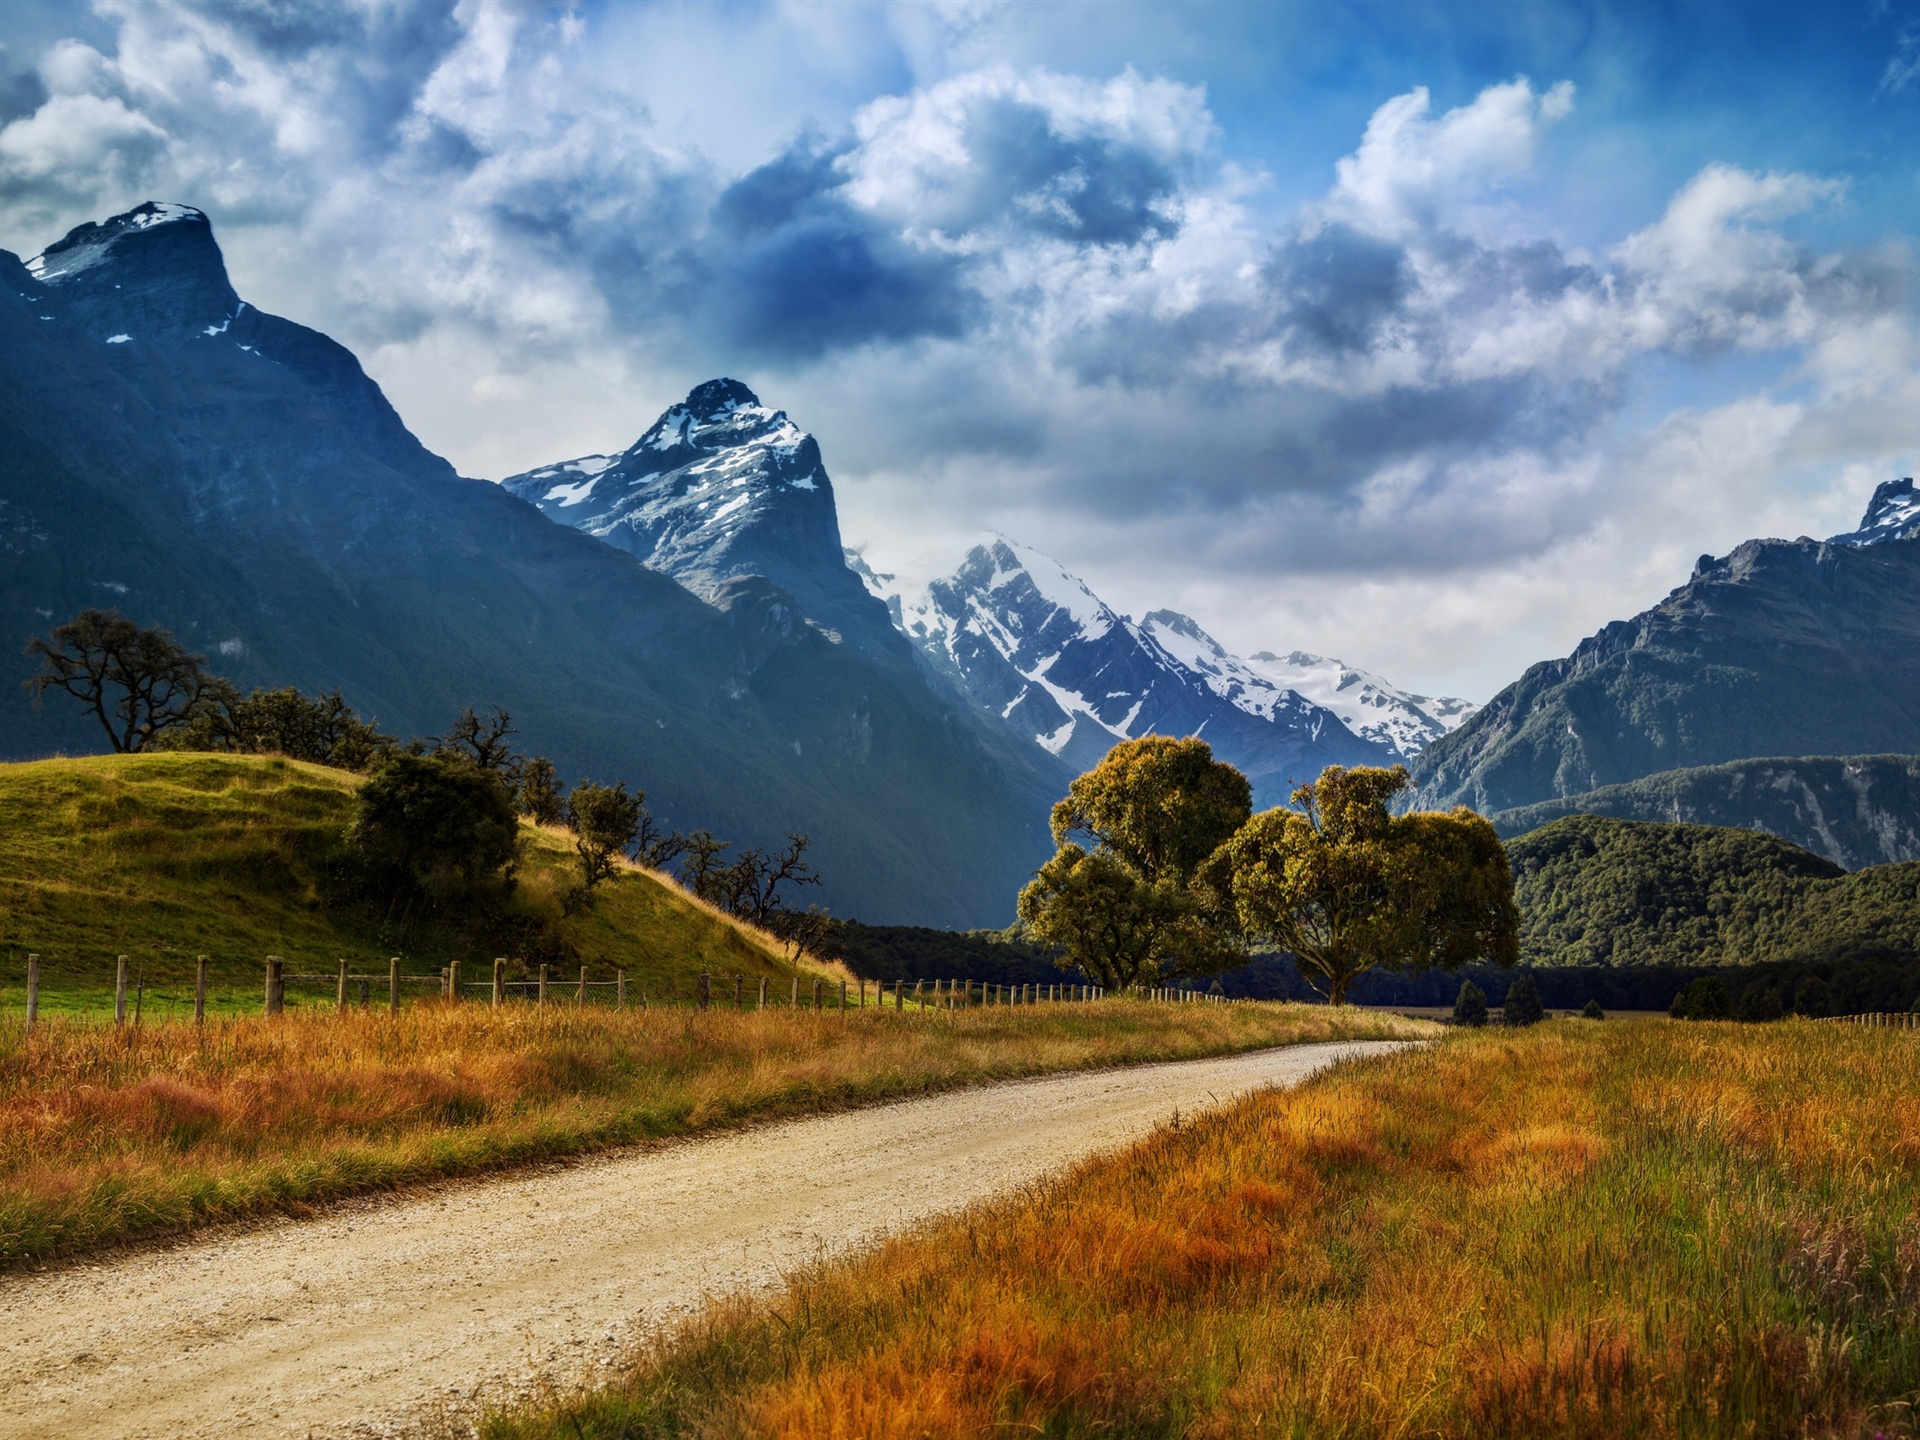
(33, 989)
(706, 989)
(843, 997)
(899, 994)
(200, 991)
(583, 986)
(863, 992)
(796, 992)
(276, 986)
(543, 984)
(393, 984)
(120, 992)
(739, 991)
(817, 983)
(453, 979)
(499, 979)
(763, 992)
(620, 987)
(340, 990)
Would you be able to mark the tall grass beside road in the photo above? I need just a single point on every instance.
(1584, 1229)
(110, 1134)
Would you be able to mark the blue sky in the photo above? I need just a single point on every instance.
(1430, 336)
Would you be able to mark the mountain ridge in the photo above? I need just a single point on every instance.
(181, 456)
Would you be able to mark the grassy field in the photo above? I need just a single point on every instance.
(110, 1134)
(163, 858)
(1585, 1229)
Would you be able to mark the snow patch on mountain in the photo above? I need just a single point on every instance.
(1892, 514)
(1030, 641)
(87, 245)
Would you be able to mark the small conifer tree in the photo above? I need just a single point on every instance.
(1592, 1011)
(1523, 1002)
(1471, 1006)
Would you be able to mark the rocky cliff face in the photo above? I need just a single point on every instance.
(721, 486)
(1856, 810)
(1784, 647)
(169, 450)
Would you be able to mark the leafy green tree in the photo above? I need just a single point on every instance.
(1470, 1007)
(320, 729)
(436, 827)
(1704, 999)
(543, 799)
(1523, 1002)
(1124, 908)
(1760, 1003)
(136, 683)
(1592, 1011)
(1344, 885)
(605, 820)
(1812, 998)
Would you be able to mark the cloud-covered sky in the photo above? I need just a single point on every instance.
(1429, 336)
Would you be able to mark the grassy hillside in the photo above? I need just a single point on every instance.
(166, 857)
(1581, 1230)
(1599, 891)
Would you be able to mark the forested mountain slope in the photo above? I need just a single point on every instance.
(1599, 891)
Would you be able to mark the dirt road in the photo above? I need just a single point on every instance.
(391, 1309)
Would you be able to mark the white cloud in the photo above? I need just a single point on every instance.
(1410, 427)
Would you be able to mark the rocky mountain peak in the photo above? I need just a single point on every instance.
(1892, 514)
(154, 272)
(719, 487)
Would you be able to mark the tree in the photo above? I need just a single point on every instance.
(483, 740)
(1523, 1002)
(653, 847)
(753, 886)
(434, 826)
(1704, 999)
(543, 799)
(1343, 885)
(1812, 998)
(137, 683)
(1592, 1011)
(604, 820)
(1760, 1003)
(1127, 911)
(700, 870)
(321, 729)
(1470, 1008)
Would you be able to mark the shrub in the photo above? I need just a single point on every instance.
(1812, 998)
(1592, 1011)
(1471, 1006)
(434, 826)
(1523, 1003)
(542, 796)
(1760, 1003)
(605, 820)
(1704, 999)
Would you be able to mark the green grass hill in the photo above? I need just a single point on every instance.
(1594, 890)
(166, 857)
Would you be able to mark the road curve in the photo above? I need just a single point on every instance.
(385, 1311)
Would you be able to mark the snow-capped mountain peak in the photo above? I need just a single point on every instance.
(720, 487)
(1892, 514)
(1024, 639)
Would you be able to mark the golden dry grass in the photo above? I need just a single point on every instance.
(1619, 1229)
(111, 1134)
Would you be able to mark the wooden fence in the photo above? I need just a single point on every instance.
(1877, 1020)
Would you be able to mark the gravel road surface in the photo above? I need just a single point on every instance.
(385, 1312)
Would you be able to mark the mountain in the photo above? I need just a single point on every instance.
(1600, 891)
(1855, 810)
(1782, 648)
(1028, 644)
(717, 488)
(169, 450)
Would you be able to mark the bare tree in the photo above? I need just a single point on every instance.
(483, 740)
(137, 683)
(701, 871)
(654, 847)
(754, 886)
